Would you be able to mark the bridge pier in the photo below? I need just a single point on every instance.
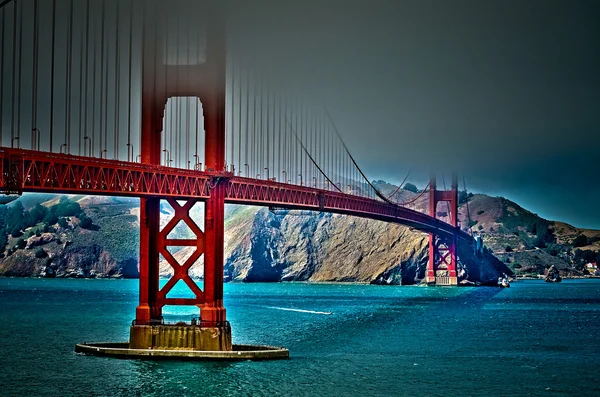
(441, 267)
(160, 82)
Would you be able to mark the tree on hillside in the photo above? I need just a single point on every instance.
(15, 219)
(36, 215)
(62, 222)
(3, 239)
(85, 221)
(580, 241)
(463, 196)
(50, 218)
(21, 243)
(411, 188)
(66, 207)
(582, 257)
(544, 237)
(2, 217)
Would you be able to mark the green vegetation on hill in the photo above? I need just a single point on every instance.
(15, 219)
(411, 188)
(523, 223)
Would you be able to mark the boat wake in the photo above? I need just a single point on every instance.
(297, 310)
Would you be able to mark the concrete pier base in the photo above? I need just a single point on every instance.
(184, 341)
(180, 337)
(238, 352)
(442, 280)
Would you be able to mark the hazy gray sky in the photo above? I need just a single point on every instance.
(507, 92)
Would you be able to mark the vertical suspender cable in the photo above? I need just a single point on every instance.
(268, 130)
(239, 163)
(52, 74)
(197, 130)
(117, 84)
(254, 127)
(101, 76)
(172, 127)
(295, 141)
(81, 36)
(279, 138)
(20, 72)
(14, 80)
(273, 129)
(247, 117)
(302, 140)
(68, 80)
(130, 84)
(313, 149)
(283, 135)
(307, 144)
(231, 110)
(105, 148)
(165, 63)
(154, 13)
(2, 73)
(177, 99)
(187, 110)
(93, 95)
(34, 88)
(87, 77)
(322, 147)
(187, 133)
(284, 146)
(259, 147)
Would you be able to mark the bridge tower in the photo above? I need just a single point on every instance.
(441, 268)
(163, 79)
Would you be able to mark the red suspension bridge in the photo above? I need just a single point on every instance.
(126, 98)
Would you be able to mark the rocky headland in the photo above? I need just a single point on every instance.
(85, 236)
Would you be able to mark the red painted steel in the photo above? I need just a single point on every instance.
(181, 270)
(146, 181)
(442, 248)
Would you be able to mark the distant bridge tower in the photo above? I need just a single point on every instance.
(441, 268)
(165, 78)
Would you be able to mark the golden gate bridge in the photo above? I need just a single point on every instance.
(136, 98)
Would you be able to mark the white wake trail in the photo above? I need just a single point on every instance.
(297, 310)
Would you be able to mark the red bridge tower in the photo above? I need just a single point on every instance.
(441, 268)
(206, 81)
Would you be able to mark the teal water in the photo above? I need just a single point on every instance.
(532, 339)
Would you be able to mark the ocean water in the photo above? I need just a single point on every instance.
(532, 339)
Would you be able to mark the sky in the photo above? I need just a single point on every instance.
(505, 92)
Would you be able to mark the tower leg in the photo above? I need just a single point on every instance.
(212, 310)
(430, 277)
(148, 309)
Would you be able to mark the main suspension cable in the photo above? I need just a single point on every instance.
(400, 185)
(311, 158)
(377, 192)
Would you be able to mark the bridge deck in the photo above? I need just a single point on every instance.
(33, 171)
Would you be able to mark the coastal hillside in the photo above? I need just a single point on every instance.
(524, 241)
(90, 236)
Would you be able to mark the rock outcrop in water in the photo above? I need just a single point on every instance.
(260, 246)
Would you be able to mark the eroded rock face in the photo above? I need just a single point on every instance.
(88, 261)
(45, 238)
(326, 247)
